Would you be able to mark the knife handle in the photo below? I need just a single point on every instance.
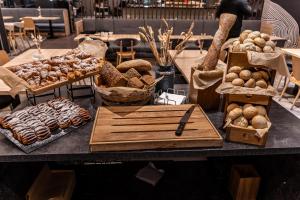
(180, 129)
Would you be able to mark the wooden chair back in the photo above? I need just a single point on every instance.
(28, 23)
(296, 69)
(4, 58)
(266, 27)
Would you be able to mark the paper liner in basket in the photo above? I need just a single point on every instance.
(13, 81)
(205, 79)
(228, 88)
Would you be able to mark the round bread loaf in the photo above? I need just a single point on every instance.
(254, 35)
(250, 83)
(243, 36)
(268, 49)
(259, 122)
(265, 75)
(257, 75)
(261, 110)
(262, 84)
(250, 112)
(139, 64)
(265, 36)
(248, 40)
(241, 121)
(245, 75)
(230, 77)
(232, 106)
(235, 113)
(235, 69)
(260, 42)
(238, 82)
(247, 105)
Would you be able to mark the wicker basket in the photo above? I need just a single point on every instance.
(125, 95)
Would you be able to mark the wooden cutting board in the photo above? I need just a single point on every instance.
(151, 127)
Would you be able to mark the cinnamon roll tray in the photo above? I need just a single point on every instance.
(36, 126)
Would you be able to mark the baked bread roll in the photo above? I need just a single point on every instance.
(138, 64)
(111, 76)
(132, 73)
(135, 83)
(148, 79)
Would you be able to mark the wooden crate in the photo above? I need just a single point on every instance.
(151, 127)
(240, 59)
(49, 184)
(244, 182)
(245, 136)
(208, 99)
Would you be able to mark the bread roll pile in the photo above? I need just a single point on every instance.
(248, 77)
(247, 116)
(134, 74)
(254, 41)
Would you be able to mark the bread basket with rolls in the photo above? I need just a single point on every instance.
(130, 83)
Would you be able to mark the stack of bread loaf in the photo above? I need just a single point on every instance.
(254, 41)
(248, 77)
(247, 116)
(133, 74)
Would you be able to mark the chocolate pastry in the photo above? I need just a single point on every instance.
(51, 123)
(85, 115)
(42, 132)
(76, 120)
(64, 122)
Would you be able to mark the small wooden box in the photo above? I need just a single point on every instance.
(208, 99)
(244, 182)
(56, 185)
(245, 136)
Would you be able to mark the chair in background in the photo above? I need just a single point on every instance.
(294, 78)
(4, 58)
(29, 25)
(7, 100)
(266, 28)
(124, 53)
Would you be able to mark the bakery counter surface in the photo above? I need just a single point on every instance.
(284, 138)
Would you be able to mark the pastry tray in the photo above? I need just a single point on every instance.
(38, 144)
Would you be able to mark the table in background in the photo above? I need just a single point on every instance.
(279, 40)
(295, 53)
(113, 37)
(43, 18)
(188, 59)
(7, 17)
(108, 38)
(26, 57)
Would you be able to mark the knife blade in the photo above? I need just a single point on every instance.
(184, 120)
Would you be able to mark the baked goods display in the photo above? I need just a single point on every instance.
(130, 83)
(37, 123)
(72, 66)
(247, 116)
(248, 77)
(254, 41)
(134, 74)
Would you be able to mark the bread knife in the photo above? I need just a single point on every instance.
(184, 120)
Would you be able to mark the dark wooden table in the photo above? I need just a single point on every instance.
(284, 138)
